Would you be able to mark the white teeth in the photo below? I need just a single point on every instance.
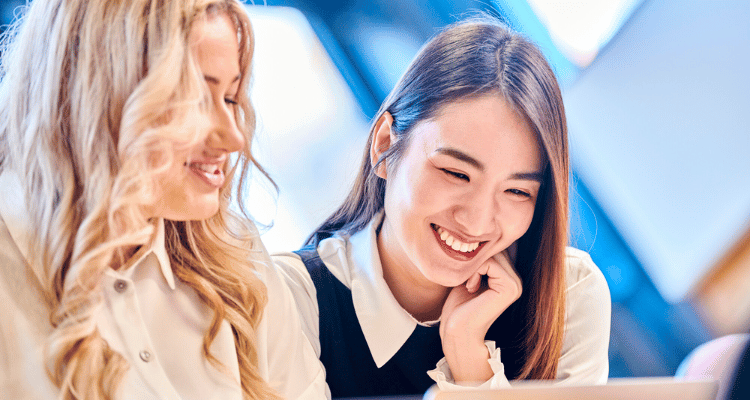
(456, 244)
(209, 168)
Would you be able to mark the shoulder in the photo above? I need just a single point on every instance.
(334, 252)
(584, 357)
(277, 287)
(588, 303)
(291, 267)
(587, 295)
(581, 271)
(287, 298)
(287, 344)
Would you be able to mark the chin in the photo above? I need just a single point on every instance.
(447, 278)
(193, 213)
(205, 213)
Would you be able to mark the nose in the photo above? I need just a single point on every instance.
(225, 135)
(477, 214)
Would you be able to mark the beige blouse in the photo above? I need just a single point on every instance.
(154, 320)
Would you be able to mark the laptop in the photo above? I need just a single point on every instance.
(615, 389)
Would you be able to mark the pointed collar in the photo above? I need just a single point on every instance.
(15, 214)
(385, 324)
(159, 249)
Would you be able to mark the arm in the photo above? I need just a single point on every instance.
(296, 277)
(288, 359)
(585, 353)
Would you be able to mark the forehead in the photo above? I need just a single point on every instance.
(213, 40)
(486, 128)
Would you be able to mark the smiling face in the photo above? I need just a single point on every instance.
(189, 189)
(464, 190)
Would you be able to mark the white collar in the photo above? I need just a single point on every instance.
(15, 214)
(385, 324)
(157, 246)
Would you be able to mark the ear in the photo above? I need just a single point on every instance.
(382, 140)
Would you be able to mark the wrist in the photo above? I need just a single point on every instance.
(463, 331)
(467, 359)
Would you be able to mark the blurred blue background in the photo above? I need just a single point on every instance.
(657, 98)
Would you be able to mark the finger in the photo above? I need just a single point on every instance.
(495, 301)
(476, 279)
(474, 282)
(504, 261)
(503, 278)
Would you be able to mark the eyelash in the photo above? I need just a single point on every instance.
(464, 177)
(230, 101)
(456, 175)
(518, 192)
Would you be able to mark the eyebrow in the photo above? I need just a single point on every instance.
(535, 176)
(529, 176)
(460, 155)
(215, 81)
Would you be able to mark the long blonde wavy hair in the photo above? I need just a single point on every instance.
(95, 95)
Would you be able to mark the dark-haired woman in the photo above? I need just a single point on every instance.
(448, 262)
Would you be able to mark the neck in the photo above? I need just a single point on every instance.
(418, 296)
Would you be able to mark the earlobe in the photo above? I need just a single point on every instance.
(382, 140)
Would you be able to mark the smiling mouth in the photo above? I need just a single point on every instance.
(210, 173)
(455, 246)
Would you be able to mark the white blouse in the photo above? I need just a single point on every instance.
(152, 319)
(386, 325)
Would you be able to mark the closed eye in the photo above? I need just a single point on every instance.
(230, 100)
(457, 175)
(518, 192)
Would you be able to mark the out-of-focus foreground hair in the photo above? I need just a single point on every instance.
(472, 58)
(95, 98)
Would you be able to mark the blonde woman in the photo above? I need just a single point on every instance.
(123, 272)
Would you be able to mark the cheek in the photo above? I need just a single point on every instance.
(519, 218)
(429, 192)
(166, 156)
(404, 190)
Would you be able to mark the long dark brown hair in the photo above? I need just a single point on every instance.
(472, 58)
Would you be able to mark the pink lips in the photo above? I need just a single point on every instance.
(460, 256)
(210, 173)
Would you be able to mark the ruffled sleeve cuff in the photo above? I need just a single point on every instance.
(444, 378)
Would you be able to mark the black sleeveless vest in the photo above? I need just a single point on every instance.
(350, 369)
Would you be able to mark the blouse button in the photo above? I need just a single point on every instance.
(145, 356)
(120, 286)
